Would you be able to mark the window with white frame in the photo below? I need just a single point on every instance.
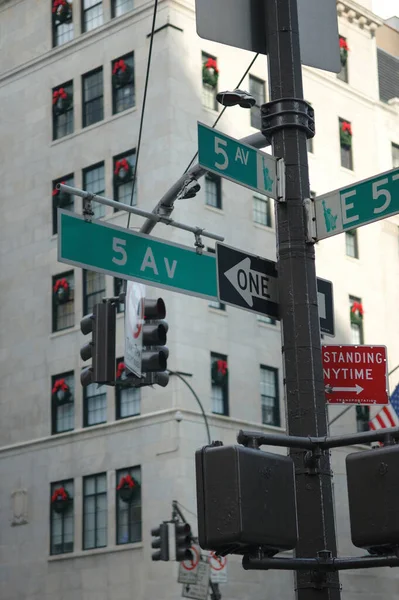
(269, 396)
(95, 511)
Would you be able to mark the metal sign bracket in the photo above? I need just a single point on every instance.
(311, 230)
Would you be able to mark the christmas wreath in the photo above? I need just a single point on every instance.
(62, 101)
(345, 135)
(123, 171)
(60, 500)
(61, 392)
(61, 291)
(357, 313)
(63, 199)
(122, 74)
(62, 12)
(219, 372)
(343, 50)
(127, 488)
(210, 72)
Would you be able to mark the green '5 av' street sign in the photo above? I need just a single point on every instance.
(239, 162)
(129, 255)
(358, 204)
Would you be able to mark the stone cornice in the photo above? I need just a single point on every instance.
(356, 13)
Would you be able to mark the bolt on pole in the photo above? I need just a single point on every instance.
(305, 400)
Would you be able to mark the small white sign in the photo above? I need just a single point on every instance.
(198, 590)
(218, 566)
(134, 320)
(188, 569)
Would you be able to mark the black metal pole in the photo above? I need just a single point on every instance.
(179, 375)
(305, 399)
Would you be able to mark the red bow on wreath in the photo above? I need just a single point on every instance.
(55, 191)
(119, 65)
(222, 367)
(357, 307)
(346, 127)
(343, 44)
(60, 384)
(58, 3)
(126, 481)
(59, 494)
(120, 369)
(60, 283)
(60, 93)
(212, 64)
(121, 164)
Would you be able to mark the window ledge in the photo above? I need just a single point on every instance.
(94, 551)
(355, 260)
(212, 111)
(274, 327)
(217, 311)
(56, 334)
(267, 228)
(95, 125)
(347, 171)
(217, 211)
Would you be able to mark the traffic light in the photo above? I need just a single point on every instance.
(101, 349)
(161, 541)
(245, 500)
(183, 539)
(155, 354)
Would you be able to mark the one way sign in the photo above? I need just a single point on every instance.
(250, 282)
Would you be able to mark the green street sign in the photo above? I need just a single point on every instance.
(239, 162)
(358, 204)
(112, 250)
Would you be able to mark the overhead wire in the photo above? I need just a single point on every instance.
(143, 106)
(224, 107)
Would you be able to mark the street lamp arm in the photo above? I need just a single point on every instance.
(198, 402)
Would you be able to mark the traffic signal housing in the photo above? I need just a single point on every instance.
(155, 353)
(101, 349)
(183, 538)
(161, 542)
(245, 500)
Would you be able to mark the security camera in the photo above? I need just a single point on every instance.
(179, 416)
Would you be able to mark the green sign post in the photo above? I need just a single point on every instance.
(129, 255)
(361, 203)
(239, 162)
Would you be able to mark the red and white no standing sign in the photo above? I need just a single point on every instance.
(218, 566)
(355, 374)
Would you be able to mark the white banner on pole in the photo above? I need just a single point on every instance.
(134, 320)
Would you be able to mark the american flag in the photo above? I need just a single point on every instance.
(389, 415)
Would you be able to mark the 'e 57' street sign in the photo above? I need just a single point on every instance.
(361, 203)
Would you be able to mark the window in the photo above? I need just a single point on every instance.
(345, 138)
(94, 405)
(343, 47)
(257, 90)
(219, 379)
(269, 396)
(95, 511)
(62, 522)
(63, 305)
(62, 24)
(123, 178)
(213, 190)
(351, 243)
(93, 97)
(395, 156)
(127, 399)
(119, 288)
(356, 319)
(92, 16)
(216, 303)
(61, 199)
(93, 290)
(128, 514)
(94, 181)
(261, 210)
(123, 91)
(209, 81)
(62, 110)
(362, 418)
(120, 7)
(62, 402)
(266, 320)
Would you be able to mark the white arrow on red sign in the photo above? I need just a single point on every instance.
(357, 389)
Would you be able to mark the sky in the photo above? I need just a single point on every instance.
(386, 8)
